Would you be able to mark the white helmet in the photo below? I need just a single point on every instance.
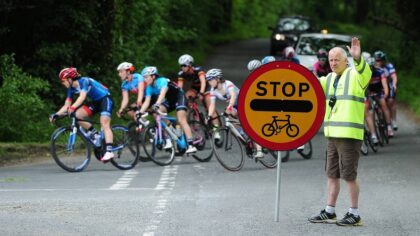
(126, 66)
(149, 70)
(254, 64)
(213, 74)
(366, 55)
(185, 59)
(267, 59)
(289, 52)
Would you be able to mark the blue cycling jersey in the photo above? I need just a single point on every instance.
(132, 86)
(154, 89)
(95, 90)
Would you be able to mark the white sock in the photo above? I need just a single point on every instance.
(330, 209)
(354, 211)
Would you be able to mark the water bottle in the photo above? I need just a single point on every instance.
(97, 139)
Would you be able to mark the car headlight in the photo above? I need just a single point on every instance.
(279, 37)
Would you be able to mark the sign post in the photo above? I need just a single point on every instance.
(281, 107)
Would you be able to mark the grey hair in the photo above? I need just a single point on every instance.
(340, 50)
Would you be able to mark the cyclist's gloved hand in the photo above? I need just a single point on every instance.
(229, 109)
(53, 117)
(139, 114)
(156, 107)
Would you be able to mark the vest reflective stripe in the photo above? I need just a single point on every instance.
(344, 124)
(327, 90)
(348, 97)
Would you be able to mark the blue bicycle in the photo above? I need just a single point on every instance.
(160, 140)
(70, 146)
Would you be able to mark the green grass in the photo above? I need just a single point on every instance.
(18, 152)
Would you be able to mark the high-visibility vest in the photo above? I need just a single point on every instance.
(346, 118)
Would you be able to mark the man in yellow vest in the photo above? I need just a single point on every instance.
(344, 90)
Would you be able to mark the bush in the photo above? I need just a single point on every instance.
(23, 114)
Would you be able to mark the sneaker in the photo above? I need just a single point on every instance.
(191, 149)
(168, 145)
(324, 217)
(217, 135)
(301, 149)
(390, 132)
(258, 155)
(350, 220)
(108, 156)
(374, 140)
(394, 125)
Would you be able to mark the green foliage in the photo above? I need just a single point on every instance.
(23, 114)
(408, 91)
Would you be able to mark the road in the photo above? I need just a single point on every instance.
(191, 198)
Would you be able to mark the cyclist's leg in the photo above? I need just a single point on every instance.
(82, 113)
(370, 121)
(181, 113)
(105, 120)
(191, 93)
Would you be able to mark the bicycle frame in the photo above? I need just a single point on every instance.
(279, 120)
(160, 120)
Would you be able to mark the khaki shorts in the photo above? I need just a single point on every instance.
(343, 158)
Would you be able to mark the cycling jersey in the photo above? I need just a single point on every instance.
(192, 80)
(375, 83)
(175, 97)
(132, 86)
(321, 71)
(223, 91)
(388, 71)
(95, 90)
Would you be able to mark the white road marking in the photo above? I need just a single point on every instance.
(124, 181)
(69, 189)
(166, 185)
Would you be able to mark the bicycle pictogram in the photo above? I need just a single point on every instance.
(269, 129)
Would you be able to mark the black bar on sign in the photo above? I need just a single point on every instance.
(281, 105)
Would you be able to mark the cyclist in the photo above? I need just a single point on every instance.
(168, 97)
(101, 101)
(391, 75)
(194, 78)
(378, 88)
(290, 55)
(131, 83)
(322, 66)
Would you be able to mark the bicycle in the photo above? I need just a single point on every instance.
(269, 129)
(235, 142)
(157, 134)
(70, 146)
(379, 121)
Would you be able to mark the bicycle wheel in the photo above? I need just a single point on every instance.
(292, 130)
(153, 146)
(70, 151)
(202, 141)
(383, 128)
(132, 126)
(127, 156)
(268, 129)
(270, 158)
(378, 132)
(306, 153)
(231, 153)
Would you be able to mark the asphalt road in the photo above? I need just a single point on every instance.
(191, 198)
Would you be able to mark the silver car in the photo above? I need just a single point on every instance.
(309, 44)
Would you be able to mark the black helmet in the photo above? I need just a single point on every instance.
(379, 56)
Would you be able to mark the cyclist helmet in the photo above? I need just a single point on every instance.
(214, 74)
(267, 59)
(366, 56)
(289, 52)
(379, 55)
(185, 59)
(254, 64)
(126, 66)
(149, 70)
(68, 73)
(322, 53)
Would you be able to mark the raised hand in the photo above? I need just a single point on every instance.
(355, 50)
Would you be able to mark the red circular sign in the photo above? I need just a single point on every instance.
(281, 105)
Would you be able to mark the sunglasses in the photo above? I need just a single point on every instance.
(184, 65)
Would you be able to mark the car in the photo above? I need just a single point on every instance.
(287, 31)
(309, 44)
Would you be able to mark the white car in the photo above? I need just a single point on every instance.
(309, 44)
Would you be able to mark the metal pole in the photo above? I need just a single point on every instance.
(276, 215)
